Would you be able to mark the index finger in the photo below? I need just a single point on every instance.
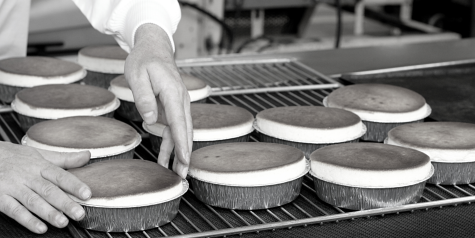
(172, 97)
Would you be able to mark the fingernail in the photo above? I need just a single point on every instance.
(78, 213)
(85, 193)
(41, 228)
(148, 117)
(62, 220)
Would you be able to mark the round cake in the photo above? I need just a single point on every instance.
(308, 127)
(46, 102)
(26, 72)
(381, 107)
(369, 175)
(197, 89)
(212, 124)
(129, 195)
(247, 175)
(105, 138)
(450, 146)
(103, 63)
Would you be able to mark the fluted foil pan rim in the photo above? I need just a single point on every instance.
(378, 187)
(307, 169)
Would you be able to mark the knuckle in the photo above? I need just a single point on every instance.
(48, 189)
(14, 210)
(32, 200)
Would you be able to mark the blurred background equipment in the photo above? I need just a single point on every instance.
(211, 27)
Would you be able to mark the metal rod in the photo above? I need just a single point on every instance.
(447, 191)
(273, 215)
(314, 205)
(301, 210)
(5, 108)
(4, 134)
(127, 234)
(108, 234)
(335, 217)
(199, 214)
(215, 62)
(214, 211)
(257, 217)
(176, 227)
(189, 221)
(462, 190)
(145, 234)
(436, 194)
(213, 100)
(161, 231)
(274, 89)
(240, 217)
(288, 213)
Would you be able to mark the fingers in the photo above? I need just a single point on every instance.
(172, 100)
(33, 202)
(144, 96)
(66, 160)
(16, 211)
(53, 195)
(189, 128)
(166, 148)
(67, 182)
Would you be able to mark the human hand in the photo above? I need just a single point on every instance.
(151, 71)
(33, 179)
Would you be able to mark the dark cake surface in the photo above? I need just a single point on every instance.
(376, 97)
(104, 52)
(437, 135)
(209, 116)
(244, 157)
(83, 132)
(125, 177)
(370, 156)
(310, 117)
(66, 96)
(38, 66)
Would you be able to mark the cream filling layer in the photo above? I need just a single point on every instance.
(137, 200)
(52, 113)
(386, 117)
(29, 81)
(95, 152)
(206, 134)
(439, 155)
(127, 95)
(253, 178)
(102, 65)
(370, 179)
(309, 135)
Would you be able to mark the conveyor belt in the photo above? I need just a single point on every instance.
(199, 220)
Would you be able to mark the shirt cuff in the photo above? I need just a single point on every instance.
(164, 13)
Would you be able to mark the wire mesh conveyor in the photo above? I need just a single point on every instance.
(196, 219)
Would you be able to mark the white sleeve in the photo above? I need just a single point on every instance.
(121, 18)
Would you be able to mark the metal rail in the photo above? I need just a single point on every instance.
(199, 220)
(196, 219)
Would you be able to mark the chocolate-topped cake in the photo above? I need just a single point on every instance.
(247, 175)
(103, 63)
(381, 107)
(26, 72)
(129, 195)
(212, 124)
(450, 146)
(58, 101)
(369, 175)
(197, 89)
(105, 138)
(308, 127)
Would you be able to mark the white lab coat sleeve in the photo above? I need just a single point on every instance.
(122, 18)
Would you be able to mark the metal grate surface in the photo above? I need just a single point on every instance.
(255, 76)
(196, 219)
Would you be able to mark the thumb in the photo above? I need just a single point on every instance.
(66, 160)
